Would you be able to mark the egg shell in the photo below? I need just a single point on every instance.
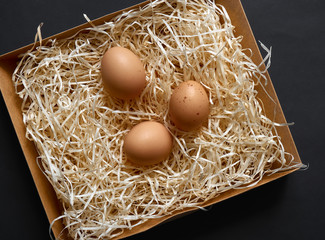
(189, 106)
(148, 143)
(122, 73)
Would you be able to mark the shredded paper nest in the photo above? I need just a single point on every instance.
(78, 128)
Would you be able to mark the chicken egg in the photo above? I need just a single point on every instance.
(189, 106)
(122, 73)
(148, 143)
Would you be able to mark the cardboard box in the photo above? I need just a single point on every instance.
(51, 205)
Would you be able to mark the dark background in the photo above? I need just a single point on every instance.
(289, 208)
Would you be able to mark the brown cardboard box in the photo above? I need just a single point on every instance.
(51, 205)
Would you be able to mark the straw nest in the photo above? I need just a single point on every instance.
(78, 128)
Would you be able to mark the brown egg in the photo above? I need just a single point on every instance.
(148, 143)
(189, 106)
(123, 73)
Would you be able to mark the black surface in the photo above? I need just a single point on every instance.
(290, 208)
